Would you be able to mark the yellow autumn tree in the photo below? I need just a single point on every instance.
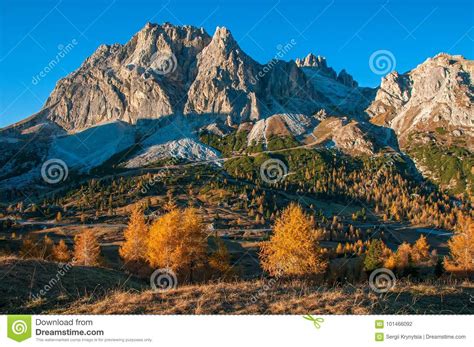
(134, 248)
(61, 252)
(33, 247)
(86, 248)
(293, 249)
(420, 250)
(178, 240)
(391, 262)
(403, 256)
(162, 239)
(461, 248)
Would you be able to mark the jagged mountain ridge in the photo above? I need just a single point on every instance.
(430, 108)
(211, 75)
(214, 85)
(438, 93)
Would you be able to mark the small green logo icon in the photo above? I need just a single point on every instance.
(379, 324)
(316, 321)
(19, 327)
(379, 337)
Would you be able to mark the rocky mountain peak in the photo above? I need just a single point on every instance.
(223, 34)
(224, 83)
(436, 94)
(447, 58)
(312, 60)
(318, 64)
(223, 45)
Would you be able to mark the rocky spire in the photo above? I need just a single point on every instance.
(318, 63)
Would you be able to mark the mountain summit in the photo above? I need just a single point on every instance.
(203, 75)
(438, 93)
(168, 84)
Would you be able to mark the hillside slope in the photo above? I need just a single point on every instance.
(279, 297)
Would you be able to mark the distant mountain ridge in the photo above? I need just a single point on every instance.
(210, 75)
(169, 83)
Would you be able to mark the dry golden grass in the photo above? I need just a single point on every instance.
(95, 290)
(22, 280)
(294, 297)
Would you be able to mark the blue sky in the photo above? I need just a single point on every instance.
(345, 32)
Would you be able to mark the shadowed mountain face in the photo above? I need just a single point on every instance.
(158, 92)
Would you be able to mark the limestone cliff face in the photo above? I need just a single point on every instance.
(190, 81)
(341, 93)
(437, 94)
(144, 79)
(223, 84)
(165, 70)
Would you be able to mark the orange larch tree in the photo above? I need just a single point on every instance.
(61, 252)
(136, 234)
(420, 251)
(86, 248)
(178, 240)
(461, 248)
(293, 249)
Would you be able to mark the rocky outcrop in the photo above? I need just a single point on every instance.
(346, 79)
(352, 137)
(438, 94)
(167, 70)
(125, 82)
(342, 94)
(170, 70)
(317, 63)
(223, 84)
(280, 125)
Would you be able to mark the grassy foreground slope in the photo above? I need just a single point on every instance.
(36, 286)
(290, 297)
(86, 290)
